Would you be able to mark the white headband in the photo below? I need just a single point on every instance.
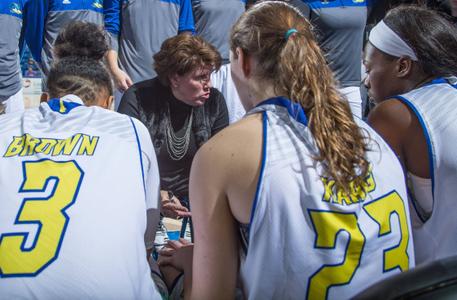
(386, 40)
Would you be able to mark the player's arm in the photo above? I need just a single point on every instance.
(121, 79)
(34, 20)
(22, 36)
(223, 181)
(112, 14)
(391, 119)
(215, 259)
(186, 18)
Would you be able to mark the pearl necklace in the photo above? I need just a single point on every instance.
(177, 146)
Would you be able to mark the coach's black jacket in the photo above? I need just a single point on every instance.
(147, 101)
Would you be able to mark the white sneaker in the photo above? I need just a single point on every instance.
(161, 236)
(187, 233)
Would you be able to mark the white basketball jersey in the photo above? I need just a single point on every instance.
(435, 105)
(308, 240)
(75, 185)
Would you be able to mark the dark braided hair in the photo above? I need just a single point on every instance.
(79, 70)
(81, 76)
(82, 39)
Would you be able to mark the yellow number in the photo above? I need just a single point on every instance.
(381, 211)
(328, 225)
(48, 213)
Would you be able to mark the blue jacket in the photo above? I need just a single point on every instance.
(49, 17)
(11, 33)
(138, 28)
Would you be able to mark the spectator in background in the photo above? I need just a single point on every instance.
(213, 22)
(138, 28)
(30, 72)
(339, 27)
(30, 62)
(11, 28)
(45, 18)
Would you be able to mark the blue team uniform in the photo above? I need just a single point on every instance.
(11, 24)
(139, 27)
(49, 17)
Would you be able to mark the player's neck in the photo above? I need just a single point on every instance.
(261, 92)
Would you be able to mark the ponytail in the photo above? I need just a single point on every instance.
(81, 39)
(79, 70)
(297, 66)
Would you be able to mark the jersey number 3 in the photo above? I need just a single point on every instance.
(48, 213)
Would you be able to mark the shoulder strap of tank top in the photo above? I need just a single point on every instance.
(294, 110)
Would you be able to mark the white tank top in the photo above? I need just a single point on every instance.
(75, 184)
(306, 240)
(435, 105)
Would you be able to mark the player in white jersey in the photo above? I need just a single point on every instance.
(297, 199)
(73, 215)
(411, 71)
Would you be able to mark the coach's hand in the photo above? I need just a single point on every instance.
(172, 207)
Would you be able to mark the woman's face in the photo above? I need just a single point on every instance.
(381, 79)
(192, 88)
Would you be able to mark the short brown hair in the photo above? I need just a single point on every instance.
(183, 53)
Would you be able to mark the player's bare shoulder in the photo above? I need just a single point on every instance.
(237, 147)
(241, 138)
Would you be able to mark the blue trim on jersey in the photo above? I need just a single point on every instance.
(295, 110)
(62, 107)
(413, 202)
(186, 16)
(427, 139)
(25, 200)
(13, 8)
(439, 81)
(335, 3)
(262, 169)
(141, 156)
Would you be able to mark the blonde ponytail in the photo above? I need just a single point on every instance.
(297, 66)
